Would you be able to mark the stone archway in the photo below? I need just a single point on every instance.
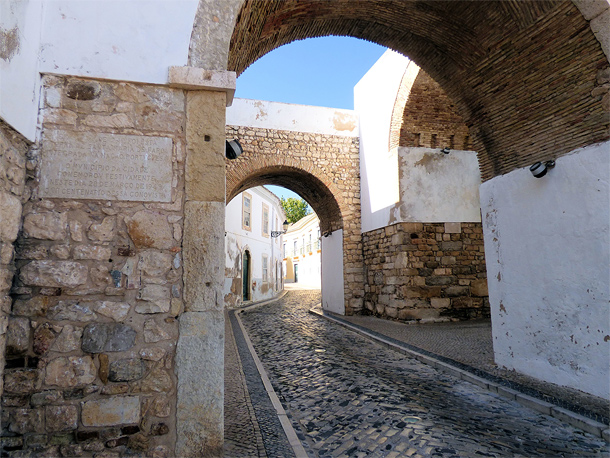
(323, 170)
(494, 60)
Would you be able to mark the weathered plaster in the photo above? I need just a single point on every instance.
(438, 187)
(547, 247)
(293, 118)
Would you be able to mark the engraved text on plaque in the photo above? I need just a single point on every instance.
(87, 165)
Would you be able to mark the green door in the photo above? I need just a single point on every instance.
(245, 276)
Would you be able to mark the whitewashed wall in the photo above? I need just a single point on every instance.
(305, 232)
(238, 239)
(374, 98)
(294, 118)
(333, 298)
(548, 259)
(121, 40)
(437, 187)
(21, 25)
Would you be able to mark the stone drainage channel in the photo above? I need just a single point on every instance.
(321, 390)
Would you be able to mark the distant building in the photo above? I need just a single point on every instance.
(302, 252)
(253, 259)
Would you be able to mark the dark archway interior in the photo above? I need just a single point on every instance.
(519, 72)
(310, 188)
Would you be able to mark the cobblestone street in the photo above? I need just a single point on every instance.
(350, 397)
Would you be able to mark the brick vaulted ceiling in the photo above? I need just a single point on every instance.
(520, 72)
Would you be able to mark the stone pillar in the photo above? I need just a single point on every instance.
(200, 348)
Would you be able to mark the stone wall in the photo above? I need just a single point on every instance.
(324, 170)
(426, 272)
(12, 193)
(92, 332)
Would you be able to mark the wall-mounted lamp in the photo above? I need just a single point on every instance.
(278, 233)
(445, 150)
(539, 169)
(327, 234)
(232, 149)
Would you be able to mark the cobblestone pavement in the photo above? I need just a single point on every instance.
(470, 343)
(252, 428)
(350, 397)
(242, 433)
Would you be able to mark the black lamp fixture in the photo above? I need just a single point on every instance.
(445, 150)
(232, 149)
(278, 233)
(539, 169)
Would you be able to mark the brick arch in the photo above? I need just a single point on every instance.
(423, 115)
(323, 197)
(521, 74)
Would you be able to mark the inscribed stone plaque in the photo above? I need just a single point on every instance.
(87, 165)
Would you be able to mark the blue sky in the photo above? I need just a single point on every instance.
(316, 71)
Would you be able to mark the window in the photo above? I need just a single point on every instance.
(284, 251)
(246, 207)
(265, 220)
(265, 269)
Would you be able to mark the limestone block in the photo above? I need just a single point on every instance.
(10, 217)
(18, 335)
(115, 310)
(46, 397)
(104, 231)
(115, 411)
(46, 226)
(6, 253)
(130, 93)
(440, 302)
(205, 139)
(479, 287)
(152, 353)
(157, 299)
(200, 372)
(455, 291)
(68, 372)
(68, 339)
(153, 332)
(44, 337)
(54, 273)
(154, 263)
(158, 381)
(76, 230)
(21, 381)
(95, 252)
(149, 229)
(72, 311)
(126, 370)
(204, 255)
(60, 251)
(26, 421)
(61, 418)
(106, 337)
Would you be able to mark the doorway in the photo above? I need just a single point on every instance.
(296, 273)
(245, 275)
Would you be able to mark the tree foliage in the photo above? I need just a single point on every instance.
(295, 209)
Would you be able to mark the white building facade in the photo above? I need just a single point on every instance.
(253, 262)
(303, 252)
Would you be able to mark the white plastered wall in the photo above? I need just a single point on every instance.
(374, 99)
(407, 184)
(20, 29)
(547, 248)
(438, 187)
(291, 117)
(111, 39)
(333, 298)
